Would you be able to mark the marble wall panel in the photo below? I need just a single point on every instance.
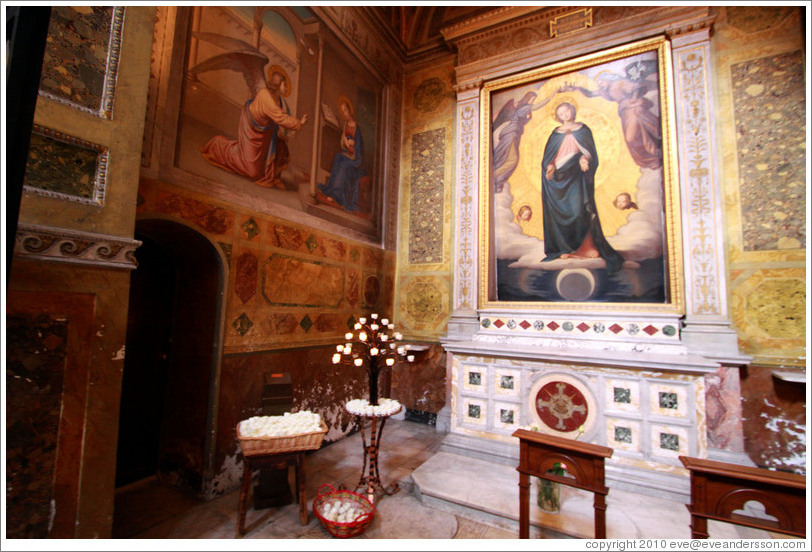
(81, 57)
(35, 365)
(769, 103)
(66, 167)
(426, 205)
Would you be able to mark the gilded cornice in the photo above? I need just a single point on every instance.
(44, 243)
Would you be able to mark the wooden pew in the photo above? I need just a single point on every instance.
(719, 490)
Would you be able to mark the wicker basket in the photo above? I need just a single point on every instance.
(253, 446)
(336, 528)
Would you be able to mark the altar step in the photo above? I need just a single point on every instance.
(488, 492)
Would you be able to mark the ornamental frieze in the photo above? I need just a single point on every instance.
(56, 244)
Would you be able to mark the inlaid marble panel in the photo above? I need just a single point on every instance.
(623, 395)
(668, 400)
(505, 416)
(623, 434)
(474, 378)
(669, 441)
(426, 205)
(769, 106)
(474, 411)
(81, 57)
(290, 281)
(66, 167)
(506, 381)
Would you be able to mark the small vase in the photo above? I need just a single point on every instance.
(549, 496)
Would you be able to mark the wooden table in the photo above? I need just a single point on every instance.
(275, 461)
(585, 462)
(719, 490)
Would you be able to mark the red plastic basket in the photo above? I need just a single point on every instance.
(336, 528)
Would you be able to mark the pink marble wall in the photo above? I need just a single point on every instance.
(723, 410)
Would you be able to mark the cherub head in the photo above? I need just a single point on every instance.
(624, 201)
(525, 213)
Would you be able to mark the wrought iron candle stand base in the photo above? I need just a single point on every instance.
(370, 475)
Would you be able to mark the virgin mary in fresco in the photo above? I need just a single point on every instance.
(346, 172)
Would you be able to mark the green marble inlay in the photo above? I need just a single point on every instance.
(623, 435)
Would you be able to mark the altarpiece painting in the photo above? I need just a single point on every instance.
(579, 190)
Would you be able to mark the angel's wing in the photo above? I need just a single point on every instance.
(242, 57)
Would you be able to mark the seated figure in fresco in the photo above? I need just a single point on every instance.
(347, 171)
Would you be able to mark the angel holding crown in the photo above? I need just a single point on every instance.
(260, 150)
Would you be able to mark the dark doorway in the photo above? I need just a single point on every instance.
(172, 354)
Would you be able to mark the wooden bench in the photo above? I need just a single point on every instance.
(720, 490)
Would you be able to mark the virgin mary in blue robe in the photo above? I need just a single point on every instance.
(568, 200)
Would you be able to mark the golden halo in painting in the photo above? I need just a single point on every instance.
(276, 69)
(345, 99)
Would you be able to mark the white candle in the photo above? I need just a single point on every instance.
(390, 361)
(373, 351)
(385, 321)
(398, 336)
(347, 349)
(362, 320)
(410, 358)
(362, 336)
(357, 326)
(336, 358)
(339, 348)
(392, 345)
(374, 316)
(402, 350)
(358, 361)
(348, 336)
(374, 327)
(384, 337)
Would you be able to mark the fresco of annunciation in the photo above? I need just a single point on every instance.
(278, 110)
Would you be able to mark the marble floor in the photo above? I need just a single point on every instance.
(438, 500)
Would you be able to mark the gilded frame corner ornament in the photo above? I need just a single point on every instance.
(649, 173)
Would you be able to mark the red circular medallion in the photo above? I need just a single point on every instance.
(561, 406)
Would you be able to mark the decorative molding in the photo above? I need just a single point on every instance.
(468, 86)
(45, 243)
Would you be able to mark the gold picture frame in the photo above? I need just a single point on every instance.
(603, 175)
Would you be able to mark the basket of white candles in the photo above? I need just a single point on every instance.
(291, 432)
(343, 513)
